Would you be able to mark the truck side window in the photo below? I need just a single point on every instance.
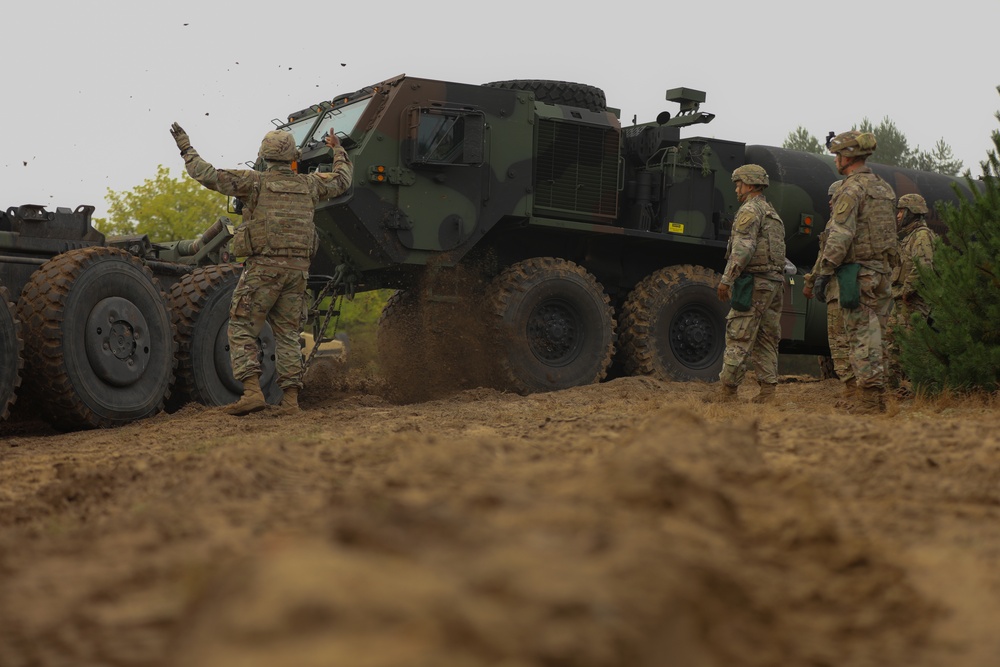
(448, 137)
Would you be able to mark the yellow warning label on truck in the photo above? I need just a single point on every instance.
(675, 228)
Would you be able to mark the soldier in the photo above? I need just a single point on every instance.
(859, 252)
(278, 238)
(756, 256)
(916, 248)
(835, 334)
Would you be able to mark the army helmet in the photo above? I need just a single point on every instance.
(832, 190)
(915, 204)
(751, 174)
(853, 143)
(278, 146)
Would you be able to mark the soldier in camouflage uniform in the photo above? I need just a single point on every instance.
(756, 247)
(840, 349)
(278, 238)
(916, 248)
(863, 233)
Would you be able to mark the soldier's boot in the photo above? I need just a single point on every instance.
(289, 402)
(766, 394)
(850, 388)
(723, 393)
(252, 399)
(871, 401)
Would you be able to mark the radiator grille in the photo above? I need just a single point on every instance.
(576, 171)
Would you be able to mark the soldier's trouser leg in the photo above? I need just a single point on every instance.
(840, 349)
(764, 353)
(743, 331)
(286, 318)
(864, 326)
(268, 294)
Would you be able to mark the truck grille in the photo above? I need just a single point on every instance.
(576, 171)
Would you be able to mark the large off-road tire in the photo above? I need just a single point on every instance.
(559, 92)
(98, 341)
(11, 360)
(200, 304)
(553, 323)
(673, 325)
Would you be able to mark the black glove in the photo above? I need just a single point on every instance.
(181, 137)
(819, 287)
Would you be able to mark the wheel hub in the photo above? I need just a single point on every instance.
(692, 336)
(117, 341)
(553, 333)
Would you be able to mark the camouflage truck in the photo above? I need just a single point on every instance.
(108, 330)
(576, 240)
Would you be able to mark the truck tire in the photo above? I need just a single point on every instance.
(200, 304)
(553, 323)
(558, 92)
(11, 360)
(673, 325)
(99, 343)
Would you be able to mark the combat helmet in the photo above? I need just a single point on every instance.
(853, 143)
(832, 190)
(915, 204)
(751, 174)
(278, 146)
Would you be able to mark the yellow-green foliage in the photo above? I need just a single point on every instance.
(165, 208)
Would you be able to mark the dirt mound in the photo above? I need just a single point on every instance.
(617, 524)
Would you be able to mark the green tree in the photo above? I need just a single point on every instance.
(800, 139)
(165, 208)
(893, 148)
(960, 349)
(940, 159)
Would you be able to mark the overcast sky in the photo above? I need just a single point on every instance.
(90, 88)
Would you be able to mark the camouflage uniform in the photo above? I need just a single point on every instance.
(916, 248)
(278, 238)
(757, 247)
(836, 334)
(862, 231)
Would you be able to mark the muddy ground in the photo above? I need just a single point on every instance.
(625, 523)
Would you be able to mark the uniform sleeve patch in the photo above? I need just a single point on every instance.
(844, 204)
(743, 220)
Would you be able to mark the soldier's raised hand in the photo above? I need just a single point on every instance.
(180, 137)
(332, 140)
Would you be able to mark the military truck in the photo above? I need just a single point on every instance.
(108, 330)
(587, 241)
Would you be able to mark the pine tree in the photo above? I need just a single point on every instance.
(800, 139)
(960, 348)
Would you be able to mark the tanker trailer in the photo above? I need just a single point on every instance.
(575, 241)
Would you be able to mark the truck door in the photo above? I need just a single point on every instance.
(442, 201)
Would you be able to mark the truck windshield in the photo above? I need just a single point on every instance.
(342, 120)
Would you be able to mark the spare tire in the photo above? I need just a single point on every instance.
(559, 92)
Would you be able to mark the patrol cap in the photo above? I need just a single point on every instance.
(853, 143)
(278, 146)
(751, 174)
(915, 204)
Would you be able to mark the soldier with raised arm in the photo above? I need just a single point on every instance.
(278, 239)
